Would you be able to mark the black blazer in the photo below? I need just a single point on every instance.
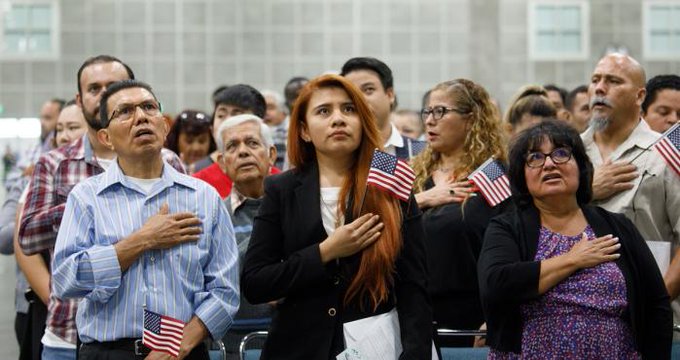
(508, 277)
(283, 263)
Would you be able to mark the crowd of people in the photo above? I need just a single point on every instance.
(257, 214)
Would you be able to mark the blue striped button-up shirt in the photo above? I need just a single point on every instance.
(195, 278)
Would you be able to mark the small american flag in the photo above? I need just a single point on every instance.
(492, 182)
(391, 174)
(669, 147)
(162, 333)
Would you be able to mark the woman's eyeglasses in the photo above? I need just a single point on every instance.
(560, 155)
(438, 112)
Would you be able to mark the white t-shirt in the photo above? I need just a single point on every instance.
(329, 206)
(105, 163)
(145, 184)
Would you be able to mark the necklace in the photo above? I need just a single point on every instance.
(335, 213)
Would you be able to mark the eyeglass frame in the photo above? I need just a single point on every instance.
(444, 110)
(550, 154)
(159, 108)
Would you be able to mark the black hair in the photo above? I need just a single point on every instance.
(560, 134)
(60, 102)
(373, 64)
(190, 122)
(569, 103)
(561, 91)
(114, 88)
(217, 91)
(292, 89)
(656, 84)
(243, 96)
(99, 59)
(70, 102)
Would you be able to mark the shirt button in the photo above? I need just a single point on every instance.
(336, 280)
(331, 311)
(152, 259)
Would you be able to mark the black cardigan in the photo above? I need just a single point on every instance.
(508, 277)
(283, 262)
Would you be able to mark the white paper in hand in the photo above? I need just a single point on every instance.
(662, 254)
(377, 337)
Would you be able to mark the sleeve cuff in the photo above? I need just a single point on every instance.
(105, 271)
(217, 317)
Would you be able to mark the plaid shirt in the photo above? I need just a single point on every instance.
(55, 174)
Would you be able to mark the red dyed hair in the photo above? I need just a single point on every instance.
(376, 270)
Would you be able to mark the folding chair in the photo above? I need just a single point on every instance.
(216, 350)
(251, 354)
(462, 353)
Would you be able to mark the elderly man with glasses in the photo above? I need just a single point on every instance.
(143, 244)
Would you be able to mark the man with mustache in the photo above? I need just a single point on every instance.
(144, 237)
(56, 173)
(630, 177)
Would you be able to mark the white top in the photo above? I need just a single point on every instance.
(49, 339)
(329, 206)
(145, 184)
(105, 163)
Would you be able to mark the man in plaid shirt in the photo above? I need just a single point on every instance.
(56, 173)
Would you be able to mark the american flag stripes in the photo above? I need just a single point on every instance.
(669, 147)
(162, 333)
(391, 174)
(492, 182)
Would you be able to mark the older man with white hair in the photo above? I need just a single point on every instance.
(247, 152)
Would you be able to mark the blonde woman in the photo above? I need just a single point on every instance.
(463, 130)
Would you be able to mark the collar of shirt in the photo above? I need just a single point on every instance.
(394, 141)
(85, 152)
(642, 137)
(114, 175)
(236, 199)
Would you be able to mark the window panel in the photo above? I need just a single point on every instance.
(659, 43)
(570, 18)
(544, 18)
(29, 29)
(558, 30)
(17, 18)
(15, 43)
(546, 42)
(41, 17)
(662, 30)
(570, 42)
(660, 17)
(41, 43)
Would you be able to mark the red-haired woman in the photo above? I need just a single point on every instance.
(314, 252)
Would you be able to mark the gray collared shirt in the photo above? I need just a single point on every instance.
(653, 204)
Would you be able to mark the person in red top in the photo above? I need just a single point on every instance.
(214, 176)
(235, 100)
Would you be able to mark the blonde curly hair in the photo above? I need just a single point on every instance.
(485, 136)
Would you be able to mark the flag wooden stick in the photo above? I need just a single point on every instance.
(363, 199)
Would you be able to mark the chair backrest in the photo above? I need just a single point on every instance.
(251, 354)
(217, 350)
(462, 353)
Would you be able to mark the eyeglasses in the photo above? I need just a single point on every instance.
(125, 112)
(438, 112)
(560, 155)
